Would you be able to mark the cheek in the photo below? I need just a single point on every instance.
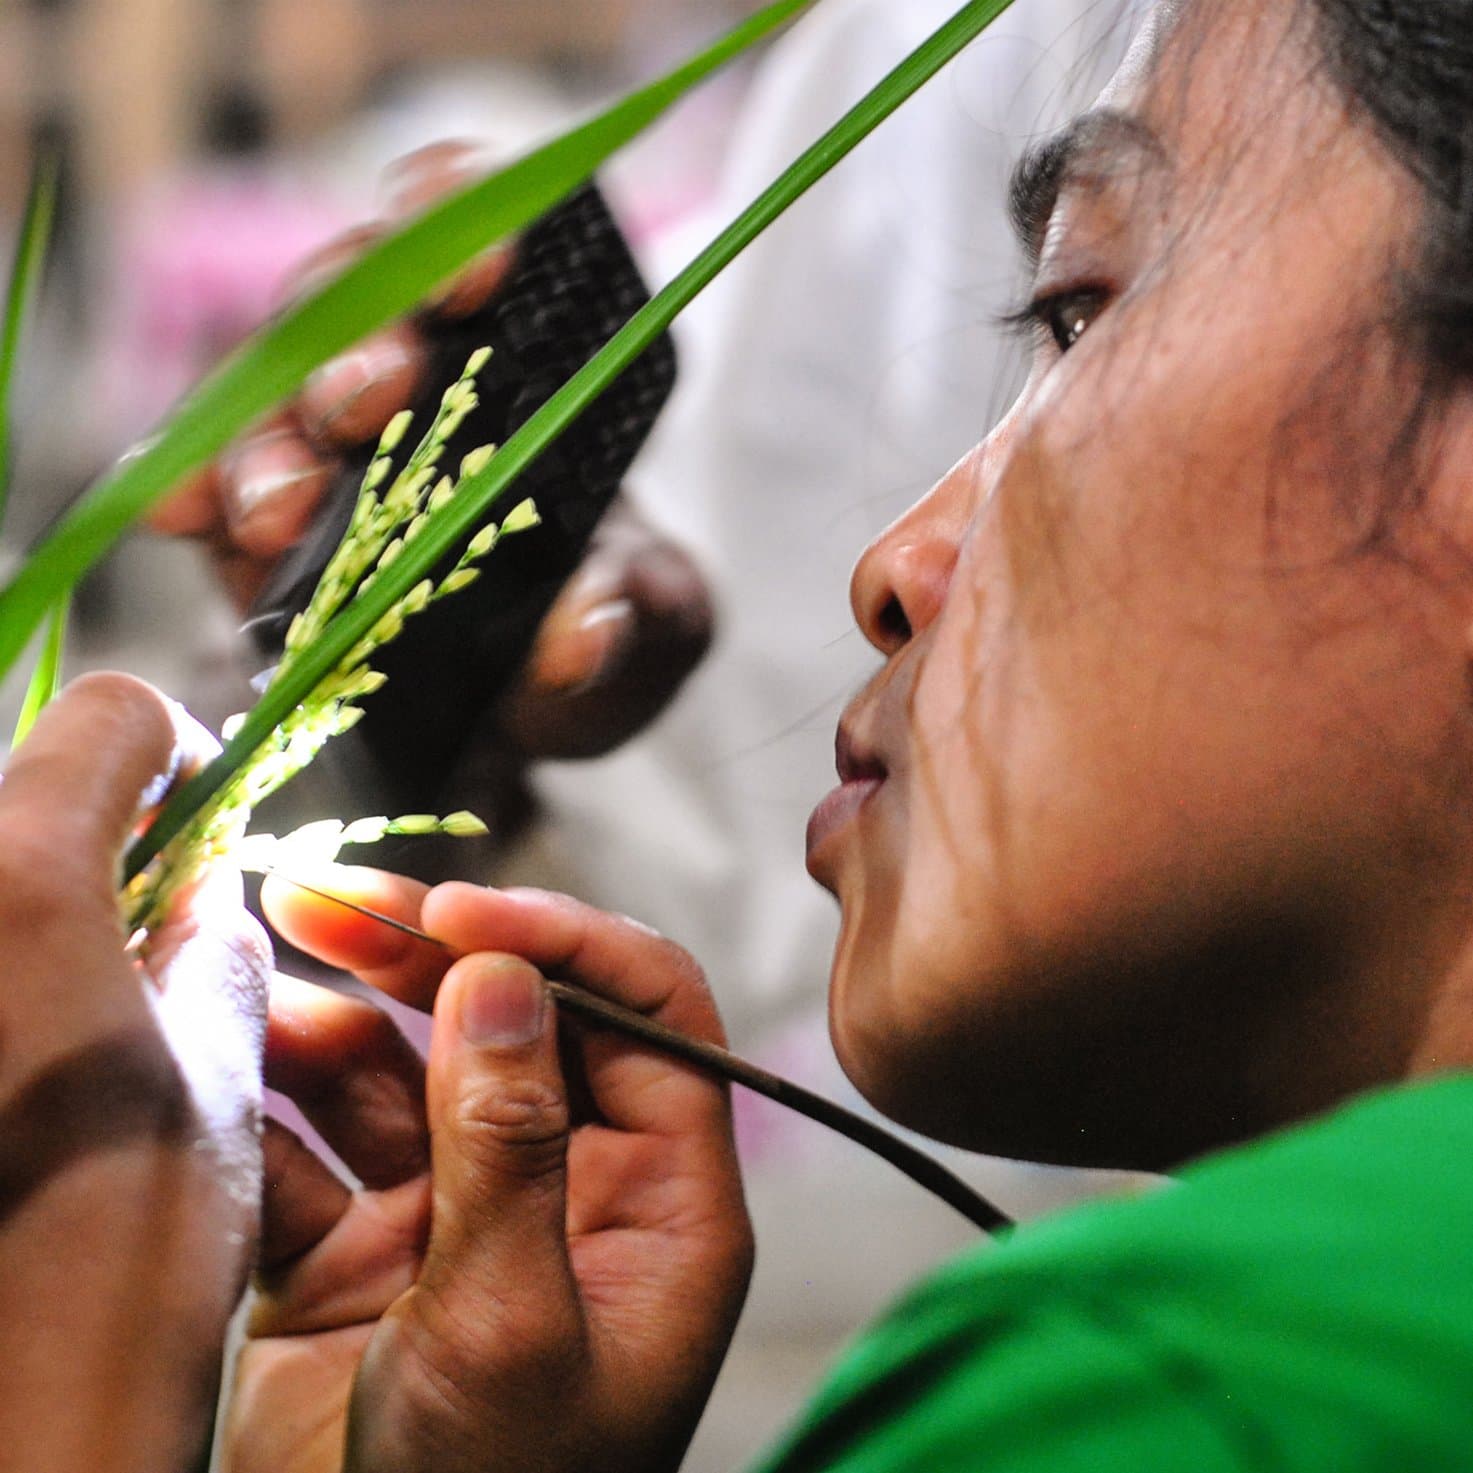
(1178, 688)
(921, 890)
(1073, 760)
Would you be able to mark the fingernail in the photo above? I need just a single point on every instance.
(605, 633)
(194, 742)
(336, 389)
(265, 468)
(258, 491)
(608, 625)
(428, 174)
(156, 789)
(194, 747)
(503, 1003)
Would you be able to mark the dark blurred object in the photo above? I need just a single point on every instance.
(236, 122)
(573, 287)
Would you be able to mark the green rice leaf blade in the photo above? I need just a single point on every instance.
(449, 526)
(26, 269)
(46, 677)
(383, 284)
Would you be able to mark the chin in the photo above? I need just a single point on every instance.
(1021, 1073)
(1044, 1121)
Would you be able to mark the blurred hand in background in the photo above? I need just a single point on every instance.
(626, 630)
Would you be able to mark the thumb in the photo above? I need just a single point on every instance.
(97, 755)
(497, 1261)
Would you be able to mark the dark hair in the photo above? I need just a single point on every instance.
(1408, 64)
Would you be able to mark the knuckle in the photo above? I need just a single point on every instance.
(521, 1124)
(189, 508)
(384, 1105)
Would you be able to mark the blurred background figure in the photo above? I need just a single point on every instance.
(207, 146)
(826, 381)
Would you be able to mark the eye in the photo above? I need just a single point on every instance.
(1067, 316)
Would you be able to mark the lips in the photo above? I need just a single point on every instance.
(861, 774)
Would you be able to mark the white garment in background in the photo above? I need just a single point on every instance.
(827, 380)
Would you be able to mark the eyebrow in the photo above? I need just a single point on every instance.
(1095, 145)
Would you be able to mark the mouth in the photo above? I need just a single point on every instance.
(861, 775)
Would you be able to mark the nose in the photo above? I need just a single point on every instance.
(900, 582)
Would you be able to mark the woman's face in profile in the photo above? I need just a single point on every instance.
(1138, 849)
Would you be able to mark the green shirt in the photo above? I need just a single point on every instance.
(1303, 1305)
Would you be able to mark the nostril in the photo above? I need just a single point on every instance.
(892, 622)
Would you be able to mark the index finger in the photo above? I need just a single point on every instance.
(613, 955)
(322, 921)
(636, 1086)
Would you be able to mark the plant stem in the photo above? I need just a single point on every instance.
(25, 279)
(592, 1008)
(452, 525)
(386, 282)
(45, 679)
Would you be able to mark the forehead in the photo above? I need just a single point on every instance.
(1216, 94)
(1102, 146)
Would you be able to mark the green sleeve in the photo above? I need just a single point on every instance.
(1300, 1306)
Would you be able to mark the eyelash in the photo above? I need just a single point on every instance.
(1043, 319)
